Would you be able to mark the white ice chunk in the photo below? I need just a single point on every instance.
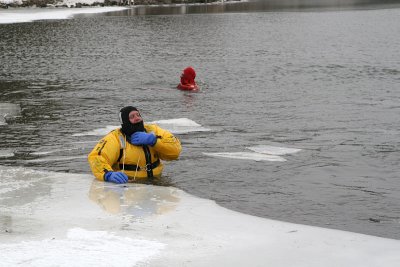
(6, 153)
(8, 111)
(180, 126)
(175, 126)
(98, 132)
(246, 155)
(273, 150)
(60, 158)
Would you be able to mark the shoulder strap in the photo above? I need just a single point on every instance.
(122, 141)
(123, 146)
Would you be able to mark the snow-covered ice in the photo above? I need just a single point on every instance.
(61, 219)
(19, 15)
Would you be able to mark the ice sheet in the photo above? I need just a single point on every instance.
(32, 14)
(80, 247)
(261, 153)
(181, 126)
(273, 150)
(6, 153)
(60, 219)
(175, 126)
(246, 156)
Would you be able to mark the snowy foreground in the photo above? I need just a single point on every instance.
(60, 219)
(19, 15)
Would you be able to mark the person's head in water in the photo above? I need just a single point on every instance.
(188, 75)
(131, 120)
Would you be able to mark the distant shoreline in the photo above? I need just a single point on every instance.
(299, 4)
(5, 4)
(272, 5)
(24, 14)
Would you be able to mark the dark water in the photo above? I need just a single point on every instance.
(325, 82)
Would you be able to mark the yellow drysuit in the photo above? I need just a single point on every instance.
(115, 153)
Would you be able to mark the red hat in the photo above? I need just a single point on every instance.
(189, 73)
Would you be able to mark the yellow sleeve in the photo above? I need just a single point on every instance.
(167, 146)
(104, 155)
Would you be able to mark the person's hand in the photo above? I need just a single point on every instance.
(116, 177)
(142, 138)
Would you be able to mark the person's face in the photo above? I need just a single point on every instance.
(134, 117)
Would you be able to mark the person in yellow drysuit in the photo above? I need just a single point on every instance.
(133, 152)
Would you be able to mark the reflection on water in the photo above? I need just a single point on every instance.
(137, 200)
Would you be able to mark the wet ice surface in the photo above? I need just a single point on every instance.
(261, 153)
(274, 150)
(81, 247)
(246, 156)
(60, 219)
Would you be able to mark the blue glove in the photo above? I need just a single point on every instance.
(116, 177)
(142, 138)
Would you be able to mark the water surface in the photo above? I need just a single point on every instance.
(324, 82)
